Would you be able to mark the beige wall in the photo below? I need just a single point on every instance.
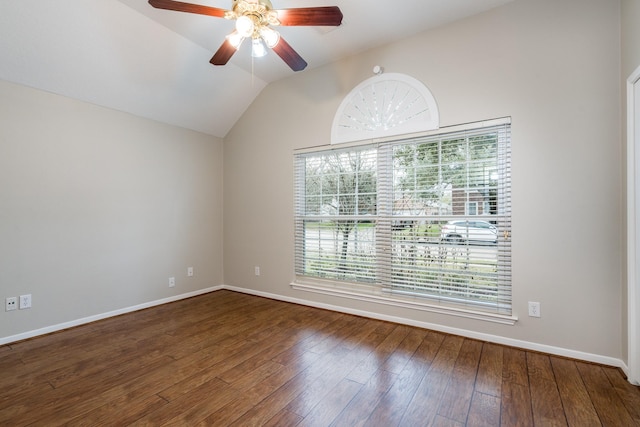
(99, 208)
(554, 67)
(630, 36)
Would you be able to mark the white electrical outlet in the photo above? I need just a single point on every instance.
(172, 282)
(25, 301)
(11, 304)
(534, 309)
(190, 272)
(257, 270)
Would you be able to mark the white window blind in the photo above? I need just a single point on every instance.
(426, 217)
(336, 198)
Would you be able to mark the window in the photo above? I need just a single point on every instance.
(427, 218)
(472, 208)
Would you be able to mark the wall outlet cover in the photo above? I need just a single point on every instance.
(11, 304)
(534, 309)
(25, 301)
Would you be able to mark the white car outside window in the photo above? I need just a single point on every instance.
(461, 231)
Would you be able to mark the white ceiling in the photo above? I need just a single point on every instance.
(153, 63)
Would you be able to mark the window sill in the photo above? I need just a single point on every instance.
(370, 294)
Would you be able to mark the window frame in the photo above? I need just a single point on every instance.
(380, 291)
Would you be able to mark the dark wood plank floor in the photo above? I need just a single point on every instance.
(227, 358)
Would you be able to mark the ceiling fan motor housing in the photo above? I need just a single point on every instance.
(259, 11)
(266, 3)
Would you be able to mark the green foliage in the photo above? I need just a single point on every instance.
(427, 172)
(342, 183)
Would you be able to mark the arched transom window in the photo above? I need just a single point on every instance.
(385, 105)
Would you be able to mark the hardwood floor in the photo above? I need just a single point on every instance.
(227, 358)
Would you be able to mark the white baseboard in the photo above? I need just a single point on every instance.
(85, 320)
(526, 345)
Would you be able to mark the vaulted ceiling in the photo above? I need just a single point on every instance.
(153, 63)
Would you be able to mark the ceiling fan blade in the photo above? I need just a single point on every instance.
(223, 54)
(187, 7)
(324, 15)
(289, 55)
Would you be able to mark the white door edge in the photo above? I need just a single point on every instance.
(633, 225)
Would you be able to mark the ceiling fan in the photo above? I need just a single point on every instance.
(254, 19)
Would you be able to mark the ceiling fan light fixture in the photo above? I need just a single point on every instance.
(257, 48)
(235, 39)
(270, 36)
(245, 26)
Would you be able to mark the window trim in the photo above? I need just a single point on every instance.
(378, 294)
(367, 293)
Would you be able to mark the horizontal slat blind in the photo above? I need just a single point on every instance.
(450, 218)
(336, 196)
(426, 217)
